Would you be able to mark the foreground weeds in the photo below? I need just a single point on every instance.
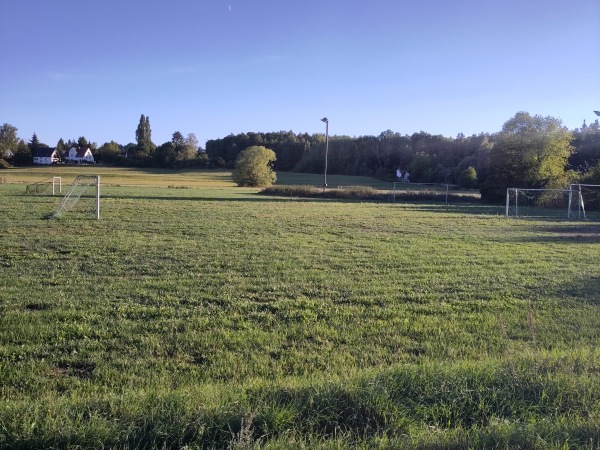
(537, 401)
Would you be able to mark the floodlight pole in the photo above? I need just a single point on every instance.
(324, 119)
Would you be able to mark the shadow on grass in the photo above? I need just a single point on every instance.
(474, 208)
(455, 208)
(555, 232)
(257, 198)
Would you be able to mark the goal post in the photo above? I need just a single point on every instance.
(97, 197)
(78, 198)
(588, 198)
(56, 180)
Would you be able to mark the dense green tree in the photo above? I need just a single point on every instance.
(8, 140)
(586, 141)
(35, 143)
(529, 152)
(421, 167)
(143, 137)
(592, 176)
(178, 140)
(179, 152)
(60, 147)
(468, 178)
(187, 151)
(165, 155)
(82, 142)
(23, 153)
(109, 152)
(254, 167)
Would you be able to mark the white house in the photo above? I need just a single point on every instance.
(79, 155)
(46, 155)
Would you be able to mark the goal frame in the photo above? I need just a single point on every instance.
(580, 203)
(72, 193)
(444, 188)
(54, 180)
(568, 192)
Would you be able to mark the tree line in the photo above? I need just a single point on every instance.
(530, 151)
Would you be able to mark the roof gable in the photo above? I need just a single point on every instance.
(79, 152)
(44, 152)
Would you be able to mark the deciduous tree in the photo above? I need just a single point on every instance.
(23, 153)
(8, 140)
(468, 178)
(254, 167)
(529, 152)
(109, 152)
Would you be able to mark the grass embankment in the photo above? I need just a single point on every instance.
(213, 317)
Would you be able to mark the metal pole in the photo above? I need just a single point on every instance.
(98, 197)
(324, 119)
(570, 201)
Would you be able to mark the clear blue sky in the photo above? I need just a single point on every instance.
(75, 68)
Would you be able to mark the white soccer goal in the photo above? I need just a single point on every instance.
(541, 203)
(588, 198)
(45, 186)
(426, 191)
(83, 197)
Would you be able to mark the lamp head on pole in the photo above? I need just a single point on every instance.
(324, 119)
(595, 112)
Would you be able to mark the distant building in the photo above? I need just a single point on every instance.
(79, 155)
(45, 156)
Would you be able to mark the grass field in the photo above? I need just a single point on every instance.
(197, 314)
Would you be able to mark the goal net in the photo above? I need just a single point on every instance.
(588, 206)
(420, 191)
(44, 187)
(431, 192)
(541, 203)
(82, 198)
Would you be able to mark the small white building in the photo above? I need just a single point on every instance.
(79, 155)
(45, 156)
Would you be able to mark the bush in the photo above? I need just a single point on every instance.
(468, 178)
(253, 167)
(307, 191)
(366, 193)
(4, 164)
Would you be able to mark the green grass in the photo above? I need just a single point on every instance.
(214, 317)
